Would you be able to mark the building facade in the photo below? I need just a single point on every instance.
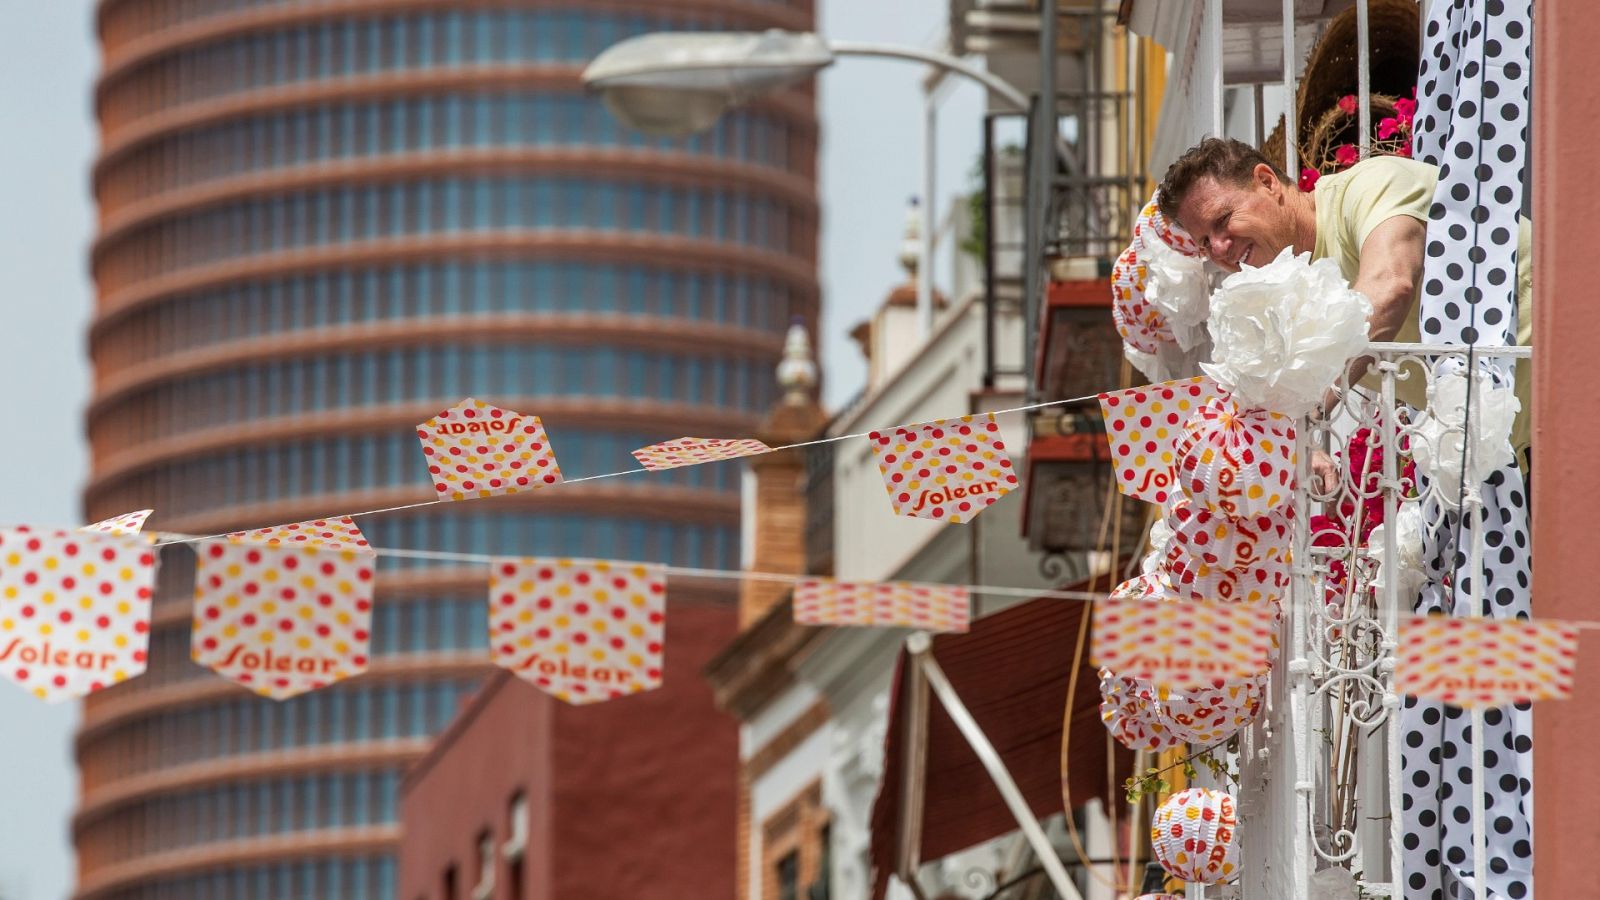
(319, 224)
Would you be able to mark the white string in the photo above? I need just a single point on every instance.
(827, 440)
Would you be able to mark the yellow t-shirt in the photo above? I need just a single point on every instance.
(1350, 204)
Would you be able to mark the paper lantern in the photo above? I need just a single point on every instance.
(1226, 542)
(1238, 462)
(1154, 224)
(1196, 579)
(1144, 716)
(1141, 325)
(1195, 836)
(1215, 714)
(1150, 586)
(1130, 711)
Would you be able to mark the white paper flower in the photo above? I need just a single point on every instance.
(1440, 435)
(1170, 362)
(1283, 332)
(1178, 286)
(1407, 562)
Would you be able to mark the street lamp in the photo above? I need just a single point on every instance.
(676, 83)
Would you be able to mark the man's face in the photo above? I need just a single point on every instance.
(1238, 223)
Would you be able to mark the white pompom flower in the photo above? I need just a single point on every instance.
(1178, 286)
(1441, 433)
(1282, 333)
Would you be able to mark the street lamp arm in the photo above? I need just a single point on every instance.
(941, 60)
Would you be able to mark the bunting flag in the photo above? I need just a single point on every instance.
(948, 469)
(286, 609)
(930, 607)
(1485, 662)
(692, 451)
(581, 630)
(74, 609)
(477, 450)
(1183, 644)
(1143, 426)
(127, 523)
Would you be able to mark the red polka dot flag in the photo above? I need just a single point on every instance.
(127, 523)
(1143, 426)
(582, 630)
(1485, 662)
(948, 470)
(692, 451)
(74, 609)
(1183, 644)
(287, 609)
(930, 607)
(477, 450)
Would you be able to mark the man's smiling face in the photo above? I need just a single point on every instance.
(1239, 223)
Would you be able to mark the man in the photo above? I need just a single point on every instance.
(1371, 219)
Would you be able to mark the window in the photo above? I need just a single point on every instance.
(484, 889)
(447, 886)
(787, 876)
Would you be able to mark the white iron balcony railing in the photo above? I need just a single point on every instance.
(1331, 795)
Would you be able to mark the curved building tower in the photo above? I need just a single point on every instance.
(323, 221)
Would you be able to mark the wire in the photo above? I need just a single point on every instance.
(566, 481)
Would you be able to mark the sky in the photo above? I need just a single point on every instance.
(871, 113)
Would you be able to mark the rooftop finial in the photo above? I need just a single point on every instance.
(797, 373)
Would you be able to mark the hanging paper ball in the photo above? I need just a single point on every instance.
(1143, 716)
(1195, 579)
(1212, 715)
(1237, 462)
(1153, 224)
(1130, 711)
(1227, 542)
(1141, 325)
(1195, 836)
(1150, 586)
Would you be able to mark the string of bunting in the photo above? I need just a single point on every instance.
(287, 609)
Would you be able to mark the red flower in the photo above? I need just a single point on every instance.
(1347, 104)
(1388, 128)
(1406, 109)
(1308, 179)
(1346, 155)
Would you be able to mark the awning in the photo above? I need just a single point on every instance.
(1011, 671)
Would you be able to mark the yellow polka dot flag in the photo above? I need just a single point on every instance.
(1143, 426)
(286, 609)
(476, 450)
(581, 630)
(1485, 662)
(1183, 644)
(948, 470)
(74, 609)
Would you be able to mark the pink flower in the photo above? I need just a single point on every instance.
(1308, 179)
(1404, 150)
(1346, 155)
(1405, 109)
(1388, 128)
(1347, 104)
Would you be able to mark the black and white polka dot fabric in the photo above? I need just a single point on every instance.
(1472, 120)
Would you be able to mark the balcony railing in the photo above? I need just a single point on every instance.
(1333, 798)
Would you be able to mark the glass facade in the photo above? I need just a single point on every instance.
(319, 219)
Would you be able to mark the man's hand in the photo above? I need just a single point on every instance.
(1324, 471)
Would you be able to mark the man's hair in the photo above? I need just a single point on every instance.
(1225, 159)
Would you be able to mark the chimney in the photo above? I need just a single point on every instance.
(775, 509)
(892, 337)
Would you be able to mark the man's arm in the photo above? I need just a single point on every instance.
(1391, 268)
